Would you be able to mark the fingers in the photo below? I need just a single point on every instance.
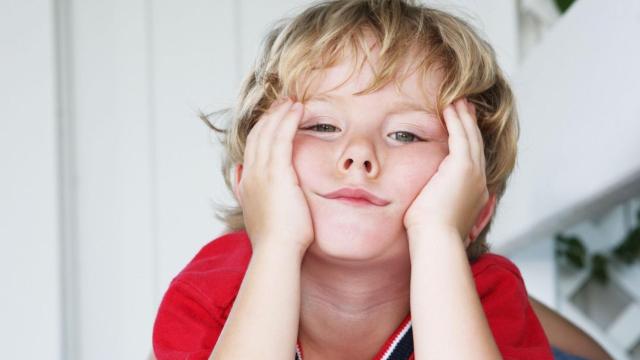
(285, 133)
(251, 144)
(467, 116)
(464, 135)
(270, 140)
(478, 132)
(458, 142)
(266, 139)
(256, 134)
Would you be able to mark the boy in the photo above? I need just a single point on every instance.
(369, 148)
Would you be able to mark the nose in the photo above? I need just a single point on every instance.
(359, 157)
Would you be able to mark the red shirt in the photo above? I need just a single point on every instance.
(199, 299)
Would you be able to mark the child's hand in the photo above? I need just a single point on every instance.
(457, 192)
(274, 207)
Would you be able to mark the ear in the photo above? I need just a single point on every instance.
(236, 184)
(482, 220)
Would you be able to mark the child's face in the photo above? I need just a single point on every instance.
(368, 146)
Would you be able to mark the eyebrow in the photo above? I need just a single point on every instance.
(400, 106)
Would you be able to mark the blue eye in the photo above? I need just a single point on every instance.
(322, 128)
(404, 136)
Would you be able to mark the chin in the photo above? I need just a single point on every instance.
(346, 238)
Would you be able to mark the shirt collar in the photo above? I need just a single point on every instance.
(399, 346)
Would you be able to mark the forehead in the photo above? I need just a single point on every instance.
(411, 88)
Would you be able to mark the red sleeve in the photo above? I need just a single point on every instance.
(196, 306)
(185, 327)
(514, 325)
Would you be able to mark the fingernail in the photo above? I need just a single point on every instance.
(296, 106)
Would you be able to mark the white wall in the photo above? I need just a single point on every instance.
(495, 20)
(30, 308)
(194, 55)
(113, 137)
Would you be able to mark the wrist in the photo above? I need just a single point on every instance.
(433, 239)
(285, 250)
(432, 231)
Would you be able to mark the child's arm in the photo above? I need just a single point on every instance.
(447, 317)
(263, 322)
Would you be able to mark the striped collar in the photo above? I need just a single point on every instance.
(399, 346)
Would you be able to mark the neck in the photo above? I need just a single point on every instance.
(348, 310)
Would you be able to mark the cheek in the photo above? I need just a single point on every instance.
(309, 159)
(416, 170)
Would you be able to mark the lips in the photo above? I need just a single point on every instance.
(356, 194)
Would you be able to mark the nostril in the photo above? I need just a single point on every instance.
(348, 163)
(367, 165)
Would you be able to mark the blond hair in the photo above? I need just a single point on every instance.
(319, 37)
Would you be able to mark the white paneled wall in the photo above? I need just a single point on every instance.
(112, 126)
(30, 294)
(194, 67)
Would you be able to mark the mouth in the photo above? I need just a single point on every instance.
(356, 196)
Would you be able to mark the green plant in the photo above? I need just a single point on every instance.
(563, 5)
(571, 251)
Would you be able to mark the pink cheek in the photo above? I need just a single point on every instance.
(417, 171)
(302, 150)
(309, 158)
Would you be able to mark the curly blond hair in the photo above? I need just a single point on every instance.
(319, 37)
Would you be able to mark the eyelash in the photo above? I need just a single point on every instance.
(415, 138)
(317, 126)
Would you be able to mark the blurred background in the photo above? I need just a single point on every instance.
(109, 179)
